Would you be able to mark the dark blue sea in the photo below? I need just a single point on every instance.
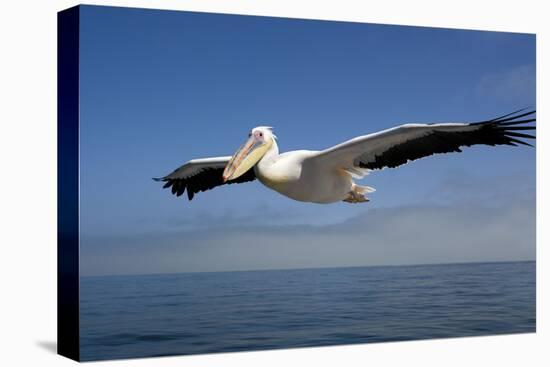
(189, 313)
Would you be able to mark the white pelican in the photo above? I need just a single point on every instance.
(326, 176)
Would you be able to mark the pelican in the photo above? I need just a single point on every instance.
(327, 176)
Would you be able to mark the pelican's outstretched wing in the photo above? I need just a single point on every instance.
(399, 145)
(201, 175)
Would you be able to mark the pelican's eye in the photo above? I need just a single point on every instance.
(261, 134)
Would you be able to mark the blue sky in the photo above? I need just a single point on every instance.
(159, 88)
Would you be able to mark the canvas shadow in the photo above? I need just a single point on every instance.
(49, 345)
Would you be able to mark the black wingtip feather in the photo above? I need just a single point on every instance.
(512, 117)
(508, 114)
(512, 128)
(206, 179)
(519, 122)
(520, 135)
(515, 117)
(520, 142)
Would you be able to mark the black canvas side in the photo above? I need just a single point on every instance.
(68, 343)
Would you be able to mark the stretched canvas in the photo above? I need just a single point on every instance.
(236, 183)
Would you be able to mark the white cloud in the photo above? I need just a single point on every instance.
(516, 85)
(388, 236)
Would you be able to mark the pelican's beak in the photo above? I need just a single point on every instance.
(246, 157)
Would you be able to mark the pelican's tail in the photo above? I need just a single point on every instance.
(363, 189)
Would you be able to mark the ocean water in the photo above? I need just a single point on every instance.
(189, 313)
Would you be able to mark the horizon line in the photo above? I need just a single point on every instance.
(307, 268)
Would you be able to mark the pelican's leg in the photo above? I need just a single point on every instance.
(357, 194)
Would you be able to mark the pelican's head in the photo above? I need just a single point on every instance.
(260, 139)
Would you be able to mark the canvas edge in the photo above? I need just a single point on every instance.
(68, 34)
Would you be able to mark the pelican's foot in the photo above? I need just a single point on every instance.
(358, 194)
(355, 197)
